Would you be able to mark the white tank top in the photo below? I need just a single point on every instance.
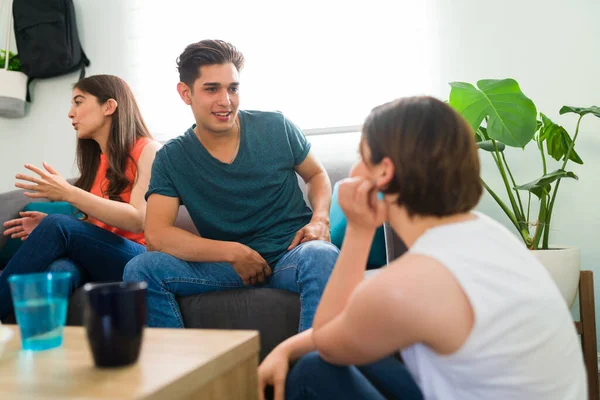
(523, 344)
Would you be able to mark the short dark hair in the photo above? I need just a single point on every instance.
(206, 52)
(434, 154)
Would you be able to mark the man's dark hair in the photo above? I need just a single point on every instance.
(206, 52)
(434, 154)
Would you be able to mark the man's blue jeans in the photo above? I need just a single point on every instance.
(305, 270)
(313, 378)
(64, 243)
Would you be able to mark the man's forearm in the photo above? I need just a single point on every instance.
(319, 195)
(190, 247)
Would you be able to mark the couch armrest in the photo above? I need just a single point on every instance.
(10, 204)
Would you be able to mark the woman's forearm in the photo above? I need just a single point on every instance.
(348, 272)
(120, 215)
(298, 345)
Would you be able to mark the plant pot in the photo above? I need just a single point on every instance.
(563, 263)
(13, 92)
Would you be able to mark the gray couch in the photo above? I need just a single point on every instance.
(274, 313)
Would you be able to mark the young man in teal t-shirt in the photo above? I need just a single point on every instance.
(235, 171)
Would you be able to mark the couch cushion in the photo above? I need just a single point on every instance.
(274, 313)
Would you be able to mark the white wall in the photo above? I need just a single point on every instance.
(551, 47)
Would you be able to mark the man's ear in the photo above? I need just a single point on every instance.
(386, 173)
(110, 107)
(185, 92)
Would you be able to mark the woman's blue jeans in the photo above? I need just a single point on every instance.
(313, 378)
(64, 243)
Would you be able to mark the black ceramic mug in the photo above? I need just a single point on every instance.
(114, 318)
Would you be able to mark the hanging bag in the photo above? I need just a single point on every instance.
(13, 84)
(47, 39)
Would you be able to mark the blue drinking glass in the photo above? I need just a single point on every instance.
(40, 302)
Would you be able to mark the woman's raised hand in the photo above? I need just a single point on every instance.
(50, 184)
(358, 199)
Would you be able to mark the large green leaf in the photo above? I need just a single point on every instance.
(511, 115)
(542, 184)
(469, 102)
(488, 145)
(481, 137)
(557, 140)
(581, 110)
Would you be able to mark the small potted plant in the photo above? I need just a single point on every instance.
(14, 63)
(501, 117)
(13, 86)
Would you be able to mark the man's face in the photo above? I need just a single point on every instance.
(214, 98)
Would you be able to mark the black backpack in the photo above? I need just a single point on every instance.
(47, 40)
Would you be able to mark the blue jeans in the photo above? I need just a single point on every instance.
(305, 270)
(64, 243)
(313, 378)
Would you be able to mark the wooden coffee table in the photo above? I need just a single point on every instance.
(173, 364)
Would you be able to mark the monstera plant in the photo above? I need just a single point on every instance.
(502, 117)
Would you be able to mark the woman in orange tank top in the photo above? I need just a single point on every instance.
(115, 152)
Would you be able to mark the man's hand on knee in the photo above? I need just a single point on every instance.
(250, 266)
(314, 230)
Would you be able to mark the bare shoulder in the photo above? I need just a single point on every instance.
(407, 282)
(149, 152)
(425, 294)
(413, 273)
(152, 147)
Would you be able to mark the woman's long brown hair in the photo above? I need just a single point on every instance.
(126, 127)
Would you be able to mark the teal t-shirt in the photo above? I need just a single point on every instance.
(256, 200)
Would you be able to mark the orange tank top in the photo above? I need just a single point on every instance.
(101, 185)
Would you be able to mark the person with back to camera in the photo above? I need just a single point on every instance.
(471, 310)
